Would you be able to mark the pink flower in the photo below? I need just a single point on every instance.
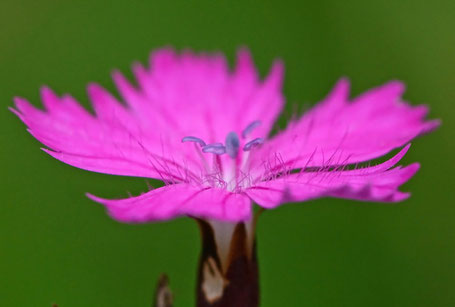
(204, 131)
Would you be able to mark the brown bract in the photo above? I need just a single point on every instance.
(234, 283)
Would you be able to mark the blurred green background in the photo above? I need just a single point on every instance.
(57, 246)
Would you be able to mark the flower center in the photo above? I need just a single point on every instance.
(232, 142)
(228, 173)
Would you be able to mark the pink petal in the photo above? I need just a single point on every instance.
(198, 95)
(338, 132)
(376, 183)
(179, 200)
(110, 143)
(263, 103)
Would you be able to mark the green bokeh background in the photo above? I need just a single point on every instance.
(57, 246)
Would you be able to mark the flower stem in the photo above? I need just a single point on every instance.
(228, 268)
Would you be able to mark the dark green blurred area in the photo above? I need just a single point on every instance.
(58, 246)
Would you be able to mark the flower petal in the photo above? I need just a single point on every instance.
(110, 143)
(199, 96)
(338, 132)
(255, 102)
(179, 200)
(376, 183)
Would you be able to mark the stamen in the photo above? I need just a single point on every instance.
(215, 148)
(250, 127)
(251, 144)
(232, 144)
(193, 139)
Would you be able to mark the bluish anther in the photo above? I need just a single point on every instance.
(215, 148)
(193, 139)
(232, 144)
(251, 144)
(250, 128)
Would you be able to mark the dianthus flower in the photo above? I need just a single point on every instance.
(205, 132)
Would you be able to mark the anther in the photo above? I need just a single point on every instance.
(250, 127)
(215, 148)
(251, 144)
(232, 144)
(193, 139)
